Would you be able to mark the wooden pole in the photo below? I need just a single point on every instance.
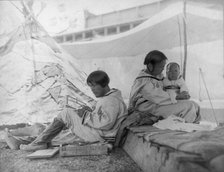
(185, 38)
(223, 33)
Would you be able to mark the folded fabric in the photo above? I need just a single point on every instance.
(176, 123)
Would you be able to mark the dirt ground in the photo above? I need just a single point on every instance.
(16, 161)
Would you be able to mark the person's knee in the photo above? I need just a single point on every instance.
(64, 114)
(197, 107)
(186, 105)
(193, 109)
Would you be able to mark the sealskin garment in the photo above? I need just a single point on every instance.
(174, 86)
(102, 123)
(147, 94)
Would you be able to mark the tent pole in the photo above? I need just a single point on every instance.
(223, 34)
(185, 38)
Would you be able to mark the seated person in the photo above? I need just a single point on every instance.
(147, 94)
(174, 83)
(90, 125)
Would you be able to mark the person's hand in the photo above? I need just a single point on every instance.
(87, 108)
(82, 110)
(184, 95)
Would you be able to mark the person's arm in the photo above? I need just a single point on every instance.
(81, 112)
(183, 85)
(183, 96)
(165, 82)
(184, 93)
(104, 116)
(156, 94)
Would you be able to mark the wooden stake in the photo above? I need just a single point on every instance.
(185, 38)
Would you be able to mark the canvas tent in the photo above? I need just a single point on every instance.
(24, 60)
(37, 78)
(164, 31)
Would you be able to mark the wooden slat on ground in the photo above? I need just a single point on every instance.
(76, 150)
(45, 153)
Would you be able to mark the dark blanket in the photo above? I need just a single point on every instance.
(134, 118)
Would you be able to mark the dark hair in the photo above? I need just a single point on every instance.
(154, 57)
(98, 77)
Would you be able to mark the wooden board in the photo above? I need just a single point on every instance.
(156, 150)
(156, 158)
(45, 153)
(76, 150)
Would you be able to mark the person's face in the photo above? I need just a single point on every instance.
(174, 72)
(158, 68)
(97, 90)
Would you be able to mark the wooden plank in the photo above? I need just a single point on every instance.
(76, 150)
(156, 158)
(45, 153)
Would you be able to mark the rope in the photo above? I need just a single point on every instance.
(202, 76)
(199, 92)
(16, 7)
